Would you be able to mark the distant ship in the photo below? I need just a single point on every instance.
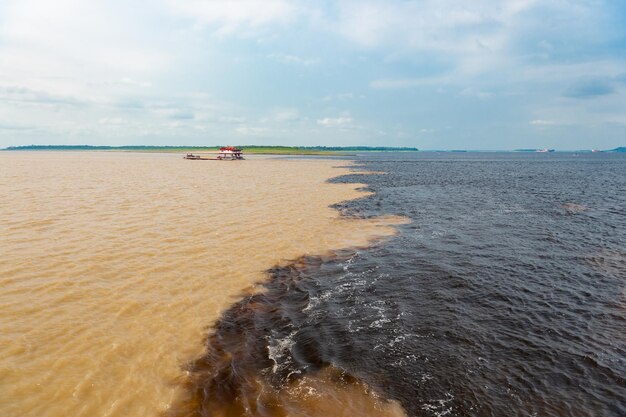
(544, 150)
(230, 153)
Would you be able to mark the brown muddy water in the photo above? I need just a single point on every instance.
(114, 265)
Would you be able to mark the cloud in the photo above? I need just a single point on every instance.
(71, 36)
(397, 83)
(590, 89)
(449, 42)
(235, 17)
(294, 59)
(343, 97)
(252, 131)
(541, 122)
(16, 94)
(334, 122)
(181, 114)
(415, 82)
(112, 121)
(448, 27)
(131, 82)
(230, 120)
(174, 70)
(10, 126)
(286, 115)
(475, 92)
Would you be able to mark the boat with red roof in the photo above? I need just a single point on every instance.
(226, 153)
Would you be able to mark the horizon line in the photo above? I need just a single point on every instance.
(364, 147)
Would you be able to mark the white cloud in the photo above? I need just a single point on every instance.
(76, 67)
(343, 97)
(541, 122)
(441, 25)
(116, 121)
(334, 122)
(26, 96)
(65, 35)
(398, 83)
(130, 81)
(235, 17)
(470, 41)
(18, 127)
(230, 119)
(285, 115)
(294, 59)
(475, 92)
(252, 130)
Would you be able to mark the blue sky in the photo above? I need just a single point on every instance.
(435, 74)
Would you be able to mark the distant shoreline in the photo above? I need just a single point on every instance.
(275, 150)
(252, 149)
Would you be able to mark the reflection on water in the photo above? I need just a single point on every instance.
(112, 266)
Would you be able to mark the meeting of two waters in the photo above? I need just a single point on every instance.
(505, 295)
(502, 293)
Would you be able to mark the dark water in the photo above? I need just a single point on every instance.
(504, 296)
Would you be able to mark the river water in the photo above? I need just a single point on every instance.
(505, 295)
(114, 265)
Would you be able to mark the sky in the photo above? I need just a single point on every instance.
(431, 74)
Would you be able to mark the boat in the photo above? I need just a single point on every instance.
(229, 153)
(195, 157)
(226, 153)
(544, 150)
